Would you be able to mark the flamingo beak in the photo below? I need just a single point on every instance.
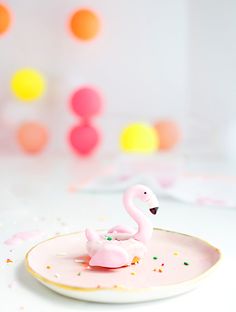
(153, 210)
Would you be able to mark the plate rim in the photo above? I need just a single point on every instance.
(194, 280)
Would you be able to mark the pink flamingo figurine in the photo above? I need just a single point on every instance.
(121, 246)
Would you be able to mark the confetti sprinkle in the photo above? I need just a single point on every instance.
(102, 219)
(20, 237)
(79, 260)
(186, 263)
(133, 273)
(158, 270)
(109, 238)
(48, 267)
(176, 253)
(162, 264)
(61, 254)
(9, 261)
(135, 260)
(154, 258)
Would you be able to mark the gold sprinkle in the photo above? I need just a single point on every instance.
(133, 273)
(102, 219)
(160, 270)
(61, 254)
(79, 273)
(176, 253)
(56, 275)
(9, 261)
(135, 260)
(155, 270)
(48, 267)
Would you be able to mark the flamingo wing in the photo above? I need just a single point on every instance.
(110, 257)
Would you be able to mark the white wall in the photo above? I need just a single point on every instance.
(153, 59)
(211, 72)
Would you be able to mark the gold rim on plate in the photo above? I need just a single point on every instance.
(117, 287)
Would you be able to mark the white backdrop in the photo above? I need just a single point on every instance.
(153, 59)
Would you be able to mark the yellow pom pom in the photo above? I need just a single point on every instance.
(139, 138)
(27, 84)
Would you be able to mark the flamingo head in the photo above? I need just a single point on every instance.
(146, 195)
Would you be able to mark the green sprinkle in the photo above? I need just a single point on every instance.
(186, 263)
(154, 258)
(109, 238)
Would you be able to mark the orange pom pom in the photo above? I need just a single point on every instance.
(5, 19)
(32, 137)
(169, 134)
(84, 24)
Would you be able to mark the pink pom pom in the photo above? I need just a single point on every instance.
(84, 139)
(86, 102)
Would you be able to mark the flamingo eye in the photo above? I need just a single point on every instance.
(145, 193)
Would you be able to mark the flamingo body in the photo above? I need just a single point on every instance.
(120, 246)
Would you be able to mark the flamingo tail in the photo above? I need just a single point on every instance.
(92, 235)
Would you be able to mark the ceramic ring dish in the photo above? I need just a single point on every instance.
(175, 263)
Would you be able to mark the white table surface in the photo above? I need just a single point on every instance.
(34, 196)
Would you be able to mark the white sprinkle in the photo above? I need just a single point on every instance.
(61, 254)
(79, 260)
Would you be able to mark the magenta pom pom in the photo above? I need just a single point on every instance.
(84, 139)
(86, 102)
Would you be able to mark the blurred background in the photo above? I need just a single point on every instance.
(150, 60)
(128, 92)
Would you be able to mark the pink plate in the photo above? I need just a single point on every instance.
(175, 263)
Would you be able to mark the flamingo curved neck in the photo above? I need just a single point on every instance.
(144, 232)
